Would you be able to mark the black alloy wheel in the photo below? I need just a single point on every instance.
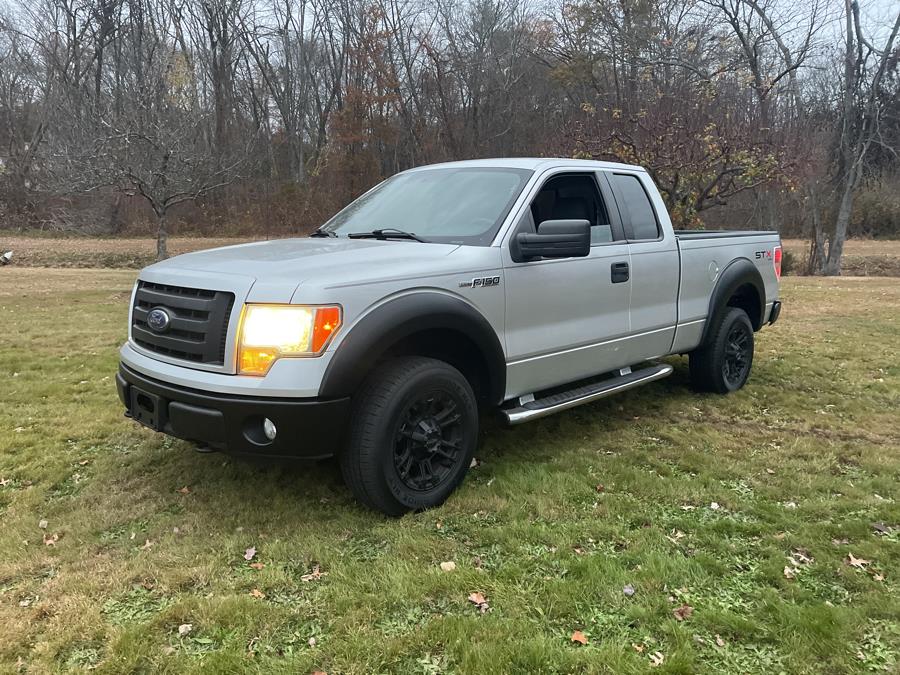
(428, 442)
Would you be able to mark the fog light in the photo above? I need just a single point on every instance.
(269, 429)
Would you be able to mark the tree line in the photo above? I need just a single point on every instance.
(274, 114)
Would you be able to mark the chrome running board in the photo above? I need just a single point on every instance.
(554, 403)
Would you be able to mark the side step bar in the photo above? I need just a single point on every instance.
(553, 403)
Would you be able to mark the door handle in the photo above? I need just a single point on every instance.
(618, 272)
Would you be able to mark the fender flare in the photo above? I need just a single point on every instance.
(739, 272)
(387, 324)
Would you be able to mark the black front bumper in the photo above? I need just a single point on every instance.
(306, 428)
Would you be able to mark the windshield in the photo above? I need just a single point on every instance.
(453, 205)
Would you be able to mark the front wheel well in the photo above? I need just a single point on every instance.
(452, 347)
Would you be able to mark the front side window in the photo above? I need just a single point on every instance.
(449, 205)
(573, 196)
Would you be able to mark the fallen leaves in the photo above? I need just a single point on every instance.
(185, 490)
(675, 535)
(579, 637)
(683, 612)
(798, 558)
(858, 563)
(185, 629)
(448, 566)
(882, 529)
(257, 565)
(479, 601)
(314, 575)
(250, 553)
(656, 659)
(258, 594)
(719, 641)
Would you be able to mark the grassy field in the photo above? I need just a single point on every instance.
(756, 533)
(862, 257)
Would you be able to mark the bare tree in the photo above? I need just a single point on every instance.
(861, 114)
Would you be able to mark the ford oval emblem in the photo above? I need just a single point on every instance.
(158, 319)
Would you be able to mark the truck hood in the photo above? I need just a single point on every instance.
(276, 268)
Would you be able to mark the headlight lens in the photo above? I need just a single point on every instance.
(269, 332)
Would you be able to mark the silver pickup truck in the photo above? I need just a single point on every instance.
(526, 286)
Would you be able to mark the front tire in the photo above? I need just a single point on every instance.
(412, 435)
(723, 364)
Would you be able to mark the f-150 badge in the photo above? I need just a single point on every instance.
(480, 282)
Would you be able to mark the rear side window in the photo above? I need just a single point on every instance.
(637, 205)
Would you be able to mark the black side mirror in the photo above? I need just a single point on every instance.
(556, 239)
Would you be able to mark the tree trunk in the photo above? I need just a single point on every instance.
(162, 236)
(832, 267)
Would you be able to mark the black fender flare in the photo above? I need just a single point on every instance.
(739, 272)
(401, 317)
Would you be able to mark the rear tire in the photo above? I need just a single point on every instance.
(723, 364)
(412, 435)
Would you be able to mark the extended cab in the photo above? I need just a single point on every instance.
(528, 286)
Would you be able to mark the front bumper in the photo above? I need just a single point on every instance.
(307, 428)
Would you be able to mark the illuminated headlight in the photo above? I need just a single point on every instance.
(269, 332)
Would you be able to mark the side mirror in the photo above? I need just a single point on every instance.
(556, 239)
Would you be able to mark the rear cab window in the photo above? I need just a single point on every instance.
(634, 204)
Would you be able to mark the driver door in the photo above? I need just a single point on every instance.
(568, 318)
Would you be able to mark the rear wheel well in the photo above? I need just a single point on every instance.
(453, 347)
(746, 297)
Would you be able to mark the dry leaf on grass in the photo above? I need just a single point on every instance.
(683, 612)
(657, 658)
(256, 593)
(448, 566)
(185, 628)
(858, 563)
(250, 553)
(789, 572)
(315, 575)
(579, 637)
(479, 601)
(719, 641)
(257, 565)
(51, 539)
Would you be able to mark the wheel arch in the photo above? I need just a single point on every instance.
(426, 323)
(740, 285)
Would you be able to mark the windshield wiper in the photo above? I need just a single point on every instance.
(385, 233)
(322, 233)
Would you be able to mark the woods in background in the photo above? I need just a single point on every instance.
(243, 116)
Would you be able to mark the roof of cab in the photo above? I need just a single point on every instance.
(532, 163)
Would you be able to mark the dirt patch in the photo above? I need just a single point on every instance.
(862, 257)
(95, 252)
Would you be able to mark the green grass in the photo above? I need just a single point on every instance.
(801, 463)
